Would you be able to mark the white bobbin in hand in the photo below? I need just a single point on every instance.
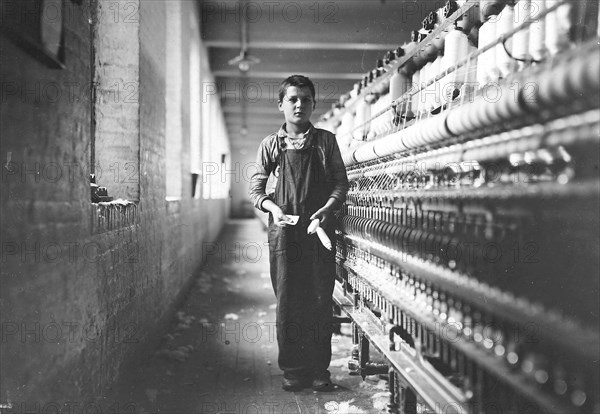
(314, 227)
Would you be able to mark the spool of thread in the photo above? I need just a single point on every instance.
(353, 93)
(363, 113)
(325, 241)
(468, 73)
(429, 23)
(416, 79)
(520, 40)
(399, 85)
(558, 25)
(509, 106)
(473, 35)
(494, 72)
(312, 227)
(346, 127)
(388, 116)
(486, 62)
(582, 75)
(438, 41)
(419, 58)
(434, 89)
(470, 19)
(488, 8)
(374, 124)
(537, 31)
(456, 49)
(380, 123)
(456, 120)
(420, 94)
(365, 152)
(425, 98)
(505, 63)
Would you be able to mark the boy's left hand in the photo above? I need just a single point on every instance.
(322, 214)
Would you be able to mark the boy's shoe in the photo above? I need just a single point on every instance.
(293, 384)
(322, 381)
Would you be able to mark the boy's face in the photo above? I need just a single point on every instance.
(297, 105)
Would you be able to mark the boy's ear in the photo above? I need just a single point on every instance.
(279, 106)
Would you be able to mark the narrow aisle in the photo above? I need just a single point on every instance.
(220, 352)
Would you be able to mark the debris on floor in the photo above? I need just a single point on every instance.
(151, 394)
(344, 407)
(180, 354)
(231, 317)
(184, 321)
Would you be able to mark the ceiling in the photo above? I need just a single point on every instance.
(333, 42)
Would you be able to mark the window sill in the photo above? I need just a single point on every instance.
(113, 215)
(173, 204)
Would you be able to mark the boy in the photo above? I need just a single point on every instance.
(311, 183)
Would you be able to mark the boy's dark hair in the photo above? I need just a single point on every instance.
(299, 81)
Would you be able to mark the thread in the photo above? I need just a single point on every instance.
(470, 72)
(387, 118)
(421, 93)
(504, 62)
(347, 122)
(486, 62)
(361, 127)
(399, 85)
(537, 31)
(416, 82)
(520, 40)
(436, 93)
(557, 27)
(493, 73)
(427, 95)
(456, 49)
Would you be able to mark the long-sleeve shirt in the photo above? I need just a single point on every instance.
(327, 150)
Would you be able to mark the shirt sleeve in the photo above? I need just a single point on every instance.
(258, 181)
(337, 172)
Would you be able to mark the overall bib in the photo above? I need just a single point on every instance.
(302, 270)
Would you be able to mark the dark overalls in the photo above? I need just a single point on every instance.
(302, 270)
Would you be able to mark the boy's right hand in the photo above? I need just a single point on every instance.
(279, 218)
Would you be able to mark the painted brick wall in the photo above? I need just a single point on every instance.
(77, 300)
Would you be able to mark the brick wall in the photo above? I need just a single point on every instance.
(79, 296)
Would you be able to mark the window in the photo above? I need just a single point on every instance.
(115, 141)
(173, 96)
(216, 171)
(195, 107)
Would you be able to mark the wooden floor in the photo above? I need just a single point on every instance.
(220, 352)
